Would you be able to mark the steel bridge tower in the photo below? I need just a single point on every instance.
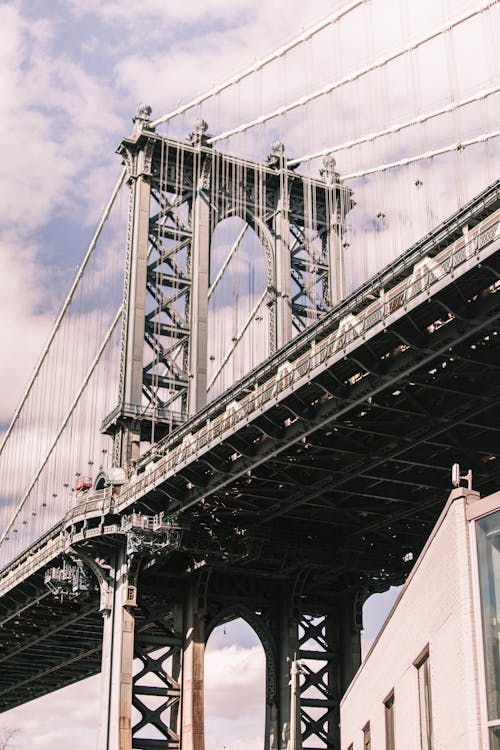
(179, 193)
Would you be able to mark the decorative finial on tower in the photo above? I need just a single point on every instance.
(142, 119)
(327, 172)
(200, 135)
(276, 159)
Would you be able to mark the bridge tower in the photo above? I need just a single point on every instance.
(179, 193)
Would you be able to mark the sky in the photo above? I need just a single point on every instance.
(72, 73)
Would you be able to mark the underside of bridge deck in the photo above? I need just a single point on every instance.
(45, 642)
(331, 492)
(347, 475)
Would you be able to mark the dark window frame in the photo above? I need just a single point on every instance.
(423, 667)
(367, 743)
(390, 738)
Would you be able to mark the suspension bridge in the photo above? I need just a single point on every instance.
(283, 334)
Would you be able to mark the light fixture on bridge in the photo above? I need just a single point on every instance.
(457, 478)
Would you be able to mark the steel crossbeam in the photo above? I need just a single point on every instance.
(290, 499)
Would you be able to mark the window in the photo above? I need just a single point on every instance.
(424, 698)
(389, 722)
(366, 737)
(488, 552)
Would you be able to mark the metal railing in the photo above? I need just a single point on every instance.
(427, 273)
(287, 371)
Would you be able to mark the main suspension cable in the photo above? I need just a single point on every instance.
(418, 120)
(259, 64)
(303, 100)
(427, 155)
(65, 306)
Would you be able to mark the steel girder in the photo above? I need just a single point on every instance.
(179, 193)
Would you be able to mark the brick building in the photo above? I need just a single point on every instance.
(431, 680)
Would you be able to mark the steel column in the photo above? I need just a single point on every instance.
(281, 231)
(336, 213)
(198, 314)
(283, 629)
(336, 264)
(138, 158)
(350, 625)
(192, 708)
(117, 657)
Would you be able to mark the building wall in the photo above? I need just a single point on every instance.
(435, 608)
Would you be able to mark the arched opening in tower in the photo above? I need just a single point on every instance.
(238, 311)
(235, 688)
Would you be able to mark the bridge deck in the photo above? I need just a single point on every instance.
(333, 458)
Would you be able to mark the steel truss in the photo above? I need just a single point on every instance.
(320, 685)
(156, 627)
(156, 687)
(179, 194)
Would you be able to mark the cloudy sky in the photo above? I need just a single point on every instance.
(72, 73)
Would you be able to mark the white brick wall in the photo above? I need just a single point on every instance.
(436, 608)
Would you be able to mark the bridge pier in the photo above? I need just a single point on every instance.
(169, 646)
(286, 637)
(118, 598)
(193, 668)
(153, 644)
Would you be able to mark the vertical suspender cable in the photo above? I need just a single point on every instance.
(65, 306)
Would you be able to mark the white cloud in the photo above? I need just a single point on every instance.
(64, 719)
(52, 118)
(20, 294)
(230, 672)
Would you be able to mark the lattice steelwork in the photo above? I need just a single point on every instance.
(156, 687)
(271, 511)
(263, 505)
(320, 689)
(179, 194)
(316, 252)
